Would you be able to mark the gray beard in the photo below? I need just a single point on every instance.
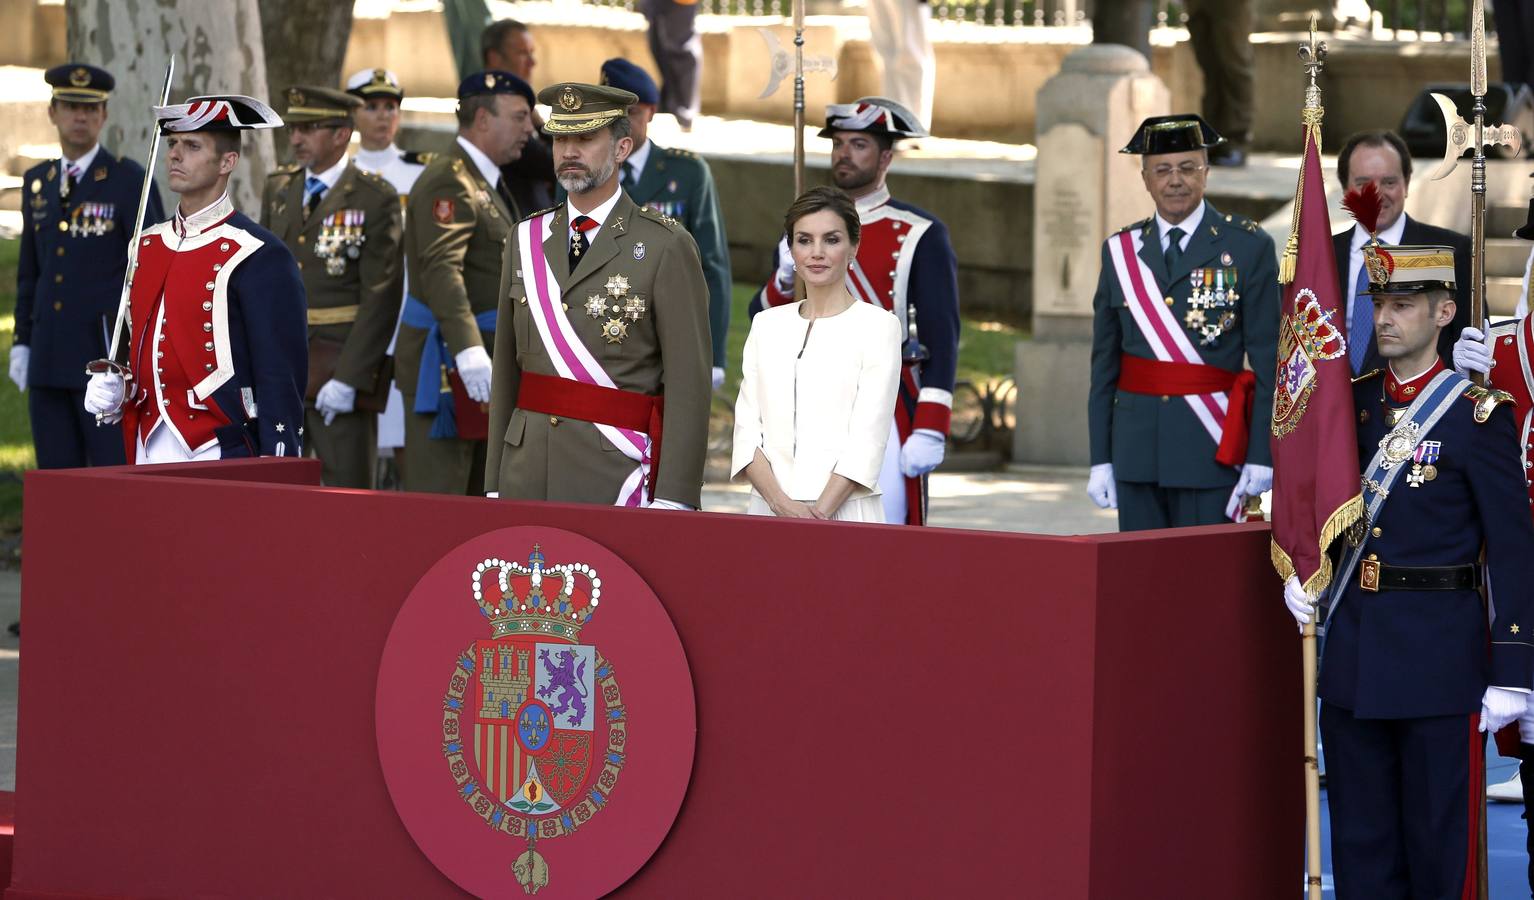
(577, 183)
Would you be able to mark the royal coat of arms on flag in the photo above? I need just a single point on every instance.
(545, 762)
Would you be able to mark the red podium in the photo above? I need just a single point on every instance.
(882, 711)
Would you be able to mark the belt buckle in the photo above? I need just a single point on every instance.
(1369, 575)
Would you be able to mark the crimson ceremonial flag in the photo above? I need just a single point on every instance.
(1316, 494)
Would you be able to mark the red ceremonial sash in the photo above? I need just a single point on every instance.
(598, 405)
(1138, 375)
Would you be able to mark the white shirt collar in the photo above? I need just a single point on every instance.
(84, 162)
(376, 160)
(1391, 235)
(1189, 225)
(873, 201)
(600, 214)
(490, 171)
(330, 175)
(639, 157)
(203, 219)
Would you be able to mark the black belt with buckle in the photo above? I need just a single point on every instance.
(1374, 575)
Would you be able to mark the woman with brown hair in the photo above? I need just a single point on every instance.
(818, 382)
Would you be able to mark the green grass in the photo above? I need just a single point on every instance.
(16, 455)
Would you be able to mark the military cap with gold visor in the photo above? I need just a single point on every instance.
(1397, 271)
(79, 83)
(582, 108)
(375, 83)
(319, 105)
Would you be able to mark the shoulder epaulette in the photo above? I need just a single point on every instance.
(678, 153)
(285, 170)
(417, 157)
(535, 215)
(1241, 222)
(658, 216)
(1134, 226)
(374, 179)
(1368, 375)
(1486, 400)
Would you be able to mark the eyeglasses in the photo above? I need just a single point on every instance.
(1186, 170)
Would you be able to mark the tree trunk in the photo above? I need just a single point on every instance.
(305, 44)
(1126, 22)
(218, 49)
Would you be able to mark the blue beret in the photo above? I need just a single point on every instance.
(494, 81)
(78, 83)
(620, 73)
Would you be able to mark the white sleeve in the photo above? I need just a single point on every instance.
(868, 427)
(748, 415)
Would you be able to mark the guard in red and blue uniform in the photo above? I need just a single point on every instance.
(219, 347)
(1415, 668)
(78, 219)
(905, 264)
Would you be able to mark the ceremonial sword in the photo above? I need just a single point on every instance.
(116, 362)
(1476, 134)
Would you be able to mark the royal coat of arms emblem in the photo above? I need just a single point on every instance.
(513, 755)
(1306, 337)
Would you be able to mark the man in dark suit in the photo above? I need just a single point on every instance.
(1381, 157)
(506, 45)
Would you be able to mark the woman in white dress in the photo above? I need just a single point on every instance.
(819, 381)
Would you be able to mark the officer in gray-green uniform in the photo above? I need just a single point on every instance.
(343, 226)
(1179, 432)
(678, 184)
(459, 215)
(603, 345)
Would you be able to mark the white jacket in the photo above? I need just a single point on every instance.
(818, 401)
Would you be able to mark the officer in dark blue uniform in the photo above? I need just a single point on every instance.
(74, 247)
(678, 184)
(1412, 675)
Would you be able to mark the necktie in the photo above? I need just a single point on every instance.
(74, 173)
(1360, 320)
(1173, 249)
(314, 189)
(578, 242)
(504, 189)
(628, 175)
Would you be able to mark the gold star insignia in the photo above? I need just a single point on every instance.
(1514, 629)
(618, 285)
(615, 331)
(281, 428)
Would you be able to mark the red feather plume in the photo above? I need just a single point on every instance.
(1364, 205)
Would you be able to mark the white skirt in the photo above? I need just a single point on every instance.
(866, 508)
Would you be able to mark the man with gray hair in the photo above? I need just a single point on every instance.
(603, 340)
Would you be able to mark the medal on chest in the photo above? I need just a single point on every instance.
(1424, 460)
(1212, 300)
(341, 238)
(620, 305)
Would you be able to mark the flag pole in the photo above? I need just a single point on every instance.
(1312, 58)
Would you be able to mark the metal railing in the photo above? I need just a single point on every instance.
(1450, 18)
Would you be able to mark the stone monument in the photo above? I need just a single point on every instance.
(1083, 190)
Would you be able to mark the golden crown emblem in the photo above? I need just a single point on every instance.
(537, 599)
(569, 100)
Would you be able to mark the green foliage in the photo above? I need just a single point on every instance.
(16, 454)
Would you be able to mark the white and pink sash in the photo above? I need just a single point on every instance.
(571, 358)
(1165, 335)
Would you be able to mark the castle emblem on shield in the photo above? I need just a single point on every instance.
(533, 725)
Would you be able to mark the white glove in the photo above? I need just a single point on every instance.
(335, 399)
(921, 452)
(1472, 352)
(662, 503)
(784, 276)
(1300, 604)
(474, 369)
(1100, 486)
(1501, 706)
(1254, 480)
(104, 397)
(21, 354)
(718, 376)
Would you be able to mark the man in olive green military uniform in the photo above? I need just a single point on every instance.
(678, 184)
(601, 387)
(1179, 432)
(343, 226)
(460, 213)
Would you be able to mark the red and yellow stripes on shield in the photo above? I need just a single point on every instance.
(501, 759)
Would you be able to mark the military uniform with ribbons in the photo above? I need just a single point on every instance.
(1171, 404)
(456, 227)
(1410, 645)
(601, 384)
(74, 249)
